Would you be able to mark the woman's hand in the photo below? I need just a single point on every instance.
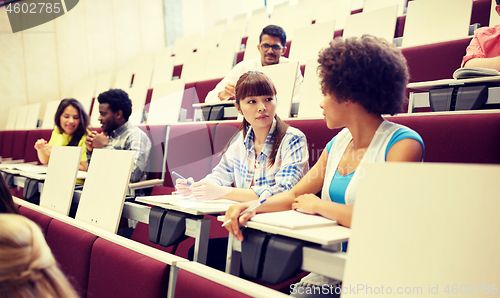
(204, 190)
(40, 144)
(233, 214)
(306, 203)
(183, 188)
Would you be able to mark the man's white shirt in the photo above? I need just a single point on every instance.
(248, 65)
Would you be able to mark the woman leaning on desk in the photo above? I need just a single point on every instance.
(71, 130)
(361, 79)
(265, 157)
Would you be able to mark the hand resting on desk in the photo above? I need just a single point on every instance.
(306, 203)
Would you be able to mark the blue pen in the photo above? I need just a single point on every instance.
(180, 177)
(251, 208)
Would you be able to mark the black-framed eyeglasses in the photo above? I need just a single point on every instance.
(275, 47)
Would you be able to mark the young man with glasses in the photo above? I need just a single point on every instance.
(272, 46)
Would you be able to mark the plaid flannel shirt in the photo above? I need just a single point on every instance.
(239, 164)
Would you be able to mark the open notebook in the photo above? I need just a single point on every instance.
(292, 219)
(474, 72)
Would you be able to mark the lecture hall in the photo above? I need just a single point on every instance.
(126, 136)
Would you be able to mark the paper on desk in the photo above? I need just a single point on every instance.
(25, 167)
(191, 202)
(292, 219)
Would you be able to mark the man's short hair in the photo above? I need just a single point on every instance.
(117, 100)
(498, 2)
(276, 31)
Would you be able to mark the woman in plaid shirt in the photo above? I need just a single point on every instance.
(265, 157)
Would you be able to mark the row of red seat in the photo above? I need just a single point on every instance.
(98, 267)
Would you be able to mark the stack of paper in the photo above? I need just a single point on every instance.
(25, 167)
(190, 202)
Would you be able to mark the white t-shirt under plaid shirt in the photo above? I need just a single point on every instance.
(240, 165)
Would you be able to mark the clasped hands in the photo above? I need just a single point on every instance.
(96, 140)
(201, 190)
(42, 145)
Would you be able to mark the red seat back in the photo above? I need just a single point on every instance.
(116, 271)
(72, 247)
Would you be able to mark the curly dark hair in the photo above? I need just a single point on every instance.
(366, 70)
(81, 130)
(117, 100)
(275, 31)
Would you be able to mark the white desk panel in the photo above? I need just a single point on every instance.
(60, 181)
(425, 227)
(426, 23)
(104, 191)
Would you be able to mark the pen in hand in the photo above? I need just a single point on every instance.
(251, 208)
(180, 177)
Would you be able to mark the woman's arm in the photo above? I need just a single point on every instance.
(83, 166)
(43, 151)
(311, 183)
(311, 204)
(406, 150)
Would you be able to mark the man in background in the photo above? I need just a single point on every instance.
(115, 108)
(272, 46)
(484, 49)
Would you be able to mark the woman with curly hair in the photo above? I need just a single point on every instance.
(27, 267)
(361, 79)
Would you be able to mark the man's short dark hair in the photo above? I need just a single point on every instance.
(276, 31)
(498, 2)
(117, 100)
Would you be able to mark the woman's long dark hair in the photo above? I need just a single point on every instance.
(6, 203)
(84, 119)
(256, 83)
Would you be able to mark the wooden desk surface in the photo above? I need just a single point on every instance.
(201, 209)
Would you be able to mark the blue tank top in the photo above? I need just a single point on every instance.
(339, 183)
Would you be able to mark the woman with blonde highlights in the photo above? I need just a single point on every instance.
(27, 266)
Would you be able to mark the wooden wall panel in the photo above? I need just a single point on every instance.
(12, 74)
(152, 25)
(127, 35)
(100, 32)
(40, 57)
(72, 50)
